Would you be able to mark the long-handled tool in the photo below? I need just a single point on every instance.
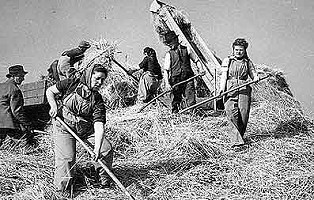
(222, 94)
(167, 91)
(125, 70)
(134, 78)
(41, 132)
(90, 151)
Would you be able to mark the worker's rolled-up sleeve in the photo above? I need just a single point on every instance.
(99, 111)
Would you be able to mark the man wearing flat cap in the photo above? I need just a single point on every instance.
(177, 68)
(13, 121)
(64, 67)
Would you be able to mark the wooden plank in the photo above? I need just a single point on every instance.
(33, 85)
(34, 101)
(34, 92)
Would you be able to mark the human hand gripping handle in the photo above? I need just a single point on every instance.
(256, 78)
(167, 86)
(53, 111)
(114, 178)
(97, 153)
(50, 94)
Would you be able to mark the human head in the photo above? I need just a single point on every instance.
(17, 73)
(239, 47)
(98, 77)
(149, 51)
(171, 39)
(146, 50)
(84, 45)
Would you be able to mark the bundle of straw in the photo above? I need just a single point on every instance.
(161, 28)
(119, 89)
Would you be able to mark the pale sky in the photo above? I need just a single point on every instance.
(280, 32)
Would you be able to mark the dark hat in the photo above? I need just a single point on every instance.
(170, 36)
(16, 70)
(84, 44)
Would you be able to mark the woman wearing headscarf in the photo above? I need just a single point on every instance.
(236, 70)
(151, 78)
(83, 109)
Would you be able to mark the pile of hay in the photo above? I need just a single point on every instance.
(119, 90)
(275, 105)
(162, 28)
(163, 156)
(159, 22)
(188, 157)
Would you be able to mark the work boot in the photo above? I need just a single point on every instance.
(103, 179)
(175, 110)
(103, 182)
(31, 142)
(62, 195)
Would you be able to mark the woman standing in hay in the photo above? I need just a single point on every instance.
(236, 69)
(151, 78)
(84, 111)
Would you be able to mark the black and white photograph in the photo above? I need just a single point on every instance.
(156, 100)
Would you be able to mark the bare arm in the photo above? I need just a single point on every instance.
(197, 62)
(252, 71)
(99, 136)
(166, 71)
(100, 140)
(223, 81)
(224, 74)
(50, 94)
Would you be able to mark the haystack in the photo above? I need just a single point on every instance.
(161, 28)
(119, 89)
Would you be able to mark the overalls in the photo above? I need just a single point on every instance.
(237, 103)
(77, 114)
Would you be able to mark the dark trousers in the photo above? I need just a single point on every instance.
(237, 109)
(186, 90)
(12, 133)
(17, 134)
(65, 155)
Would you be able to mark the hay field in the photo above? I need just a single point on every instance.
(163, 156)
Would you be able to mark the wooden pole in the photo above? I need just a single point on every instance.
(222, 94)
(125, 70)
(134, 78)
(165, 92)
